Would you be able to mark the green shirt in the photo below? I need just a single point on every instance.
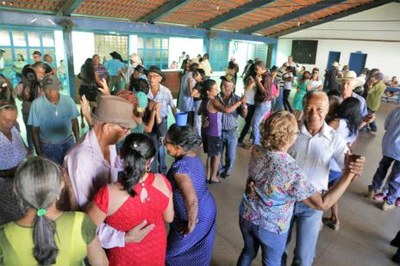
(374, 95)
(74, 231)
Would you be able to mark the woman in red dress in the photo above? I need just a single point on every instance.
(139, 195)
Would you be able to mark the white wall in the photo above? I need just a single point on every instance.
(380, 23)
(382, 55)
(375, 32)
(192, 47)
(83, 48)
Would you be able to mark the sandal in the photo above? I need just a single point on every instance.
(329, 222)
(210, 181)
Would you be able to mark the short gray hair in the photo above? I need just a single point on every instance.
(311, 94)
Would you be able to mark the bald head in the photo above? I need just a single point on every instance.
(316, 107)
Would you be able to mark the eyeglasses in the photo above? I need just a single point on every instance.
(125, 129)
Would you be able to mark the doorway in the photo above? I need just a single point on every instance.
(332, 57)
(357, 62)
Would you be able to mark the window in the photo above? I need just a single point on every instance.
(153, 50)
(219, 50)
(106, 44)
(304, 52)
(24, 42)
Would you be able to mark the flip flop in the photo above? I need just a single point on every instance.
(328, 222)
(213, 181)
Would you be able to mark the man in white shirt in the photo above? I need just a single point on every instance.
(316, 145)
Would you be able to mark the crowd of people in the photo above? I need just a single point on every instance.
(107, 195)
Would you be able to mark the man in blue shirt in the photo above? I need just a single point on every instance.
(391, 153)
(54, 122)
(115, 68)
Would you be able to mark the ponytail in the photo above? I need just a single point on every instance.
(38, 183)
(45, 249)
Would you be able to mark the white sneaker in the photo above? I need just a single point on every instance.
(387, 207)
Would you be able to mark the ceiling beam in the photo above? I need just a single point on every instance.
(163, 10)
(69, 7)
(346, 13)
(293, 15)
(235, 13)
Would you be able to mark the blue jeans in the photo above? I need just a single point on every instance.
(56, 151)
(278, 101)
(393, 179)
(229, 144)
(308, 224)
(162, 165)
(261, 110)
(272, 244)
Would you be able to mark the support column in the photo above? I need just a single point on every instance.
(67, 36)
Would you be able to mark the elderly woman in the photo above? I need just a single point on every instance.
(274, 184)
(46, 235)
(191, 235)
(13, 152)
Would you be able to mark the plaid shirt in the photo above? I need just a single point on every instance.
(230, 120)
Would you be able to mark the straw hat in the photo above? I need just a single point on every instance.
(351, 75)
(335, 64)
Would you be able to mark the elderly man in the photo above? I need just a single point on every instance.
(160, 94)
(112, 121)
(316, 145)
(54, 122)
(347, 83)
(93, 163)
(229, 123)
(375, 92)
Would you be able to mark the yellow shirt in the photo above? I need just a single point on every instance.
(73, 231)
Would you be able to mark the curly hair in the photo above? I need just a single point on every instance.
(278, 130)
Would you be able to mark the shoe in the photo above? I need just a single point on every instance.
(396, 258)
(387, 207)
(370, 194)
(381, 197)
(374, 129)
(329, 222)
(396, 241)
(225, 175)
(397, 203)
(214, 181)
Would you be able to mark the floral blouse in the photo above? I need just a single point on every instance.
(278, 184)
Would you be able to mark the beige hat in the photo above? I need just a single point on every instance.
(114, 110)
(335, 64)
(351, 75)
